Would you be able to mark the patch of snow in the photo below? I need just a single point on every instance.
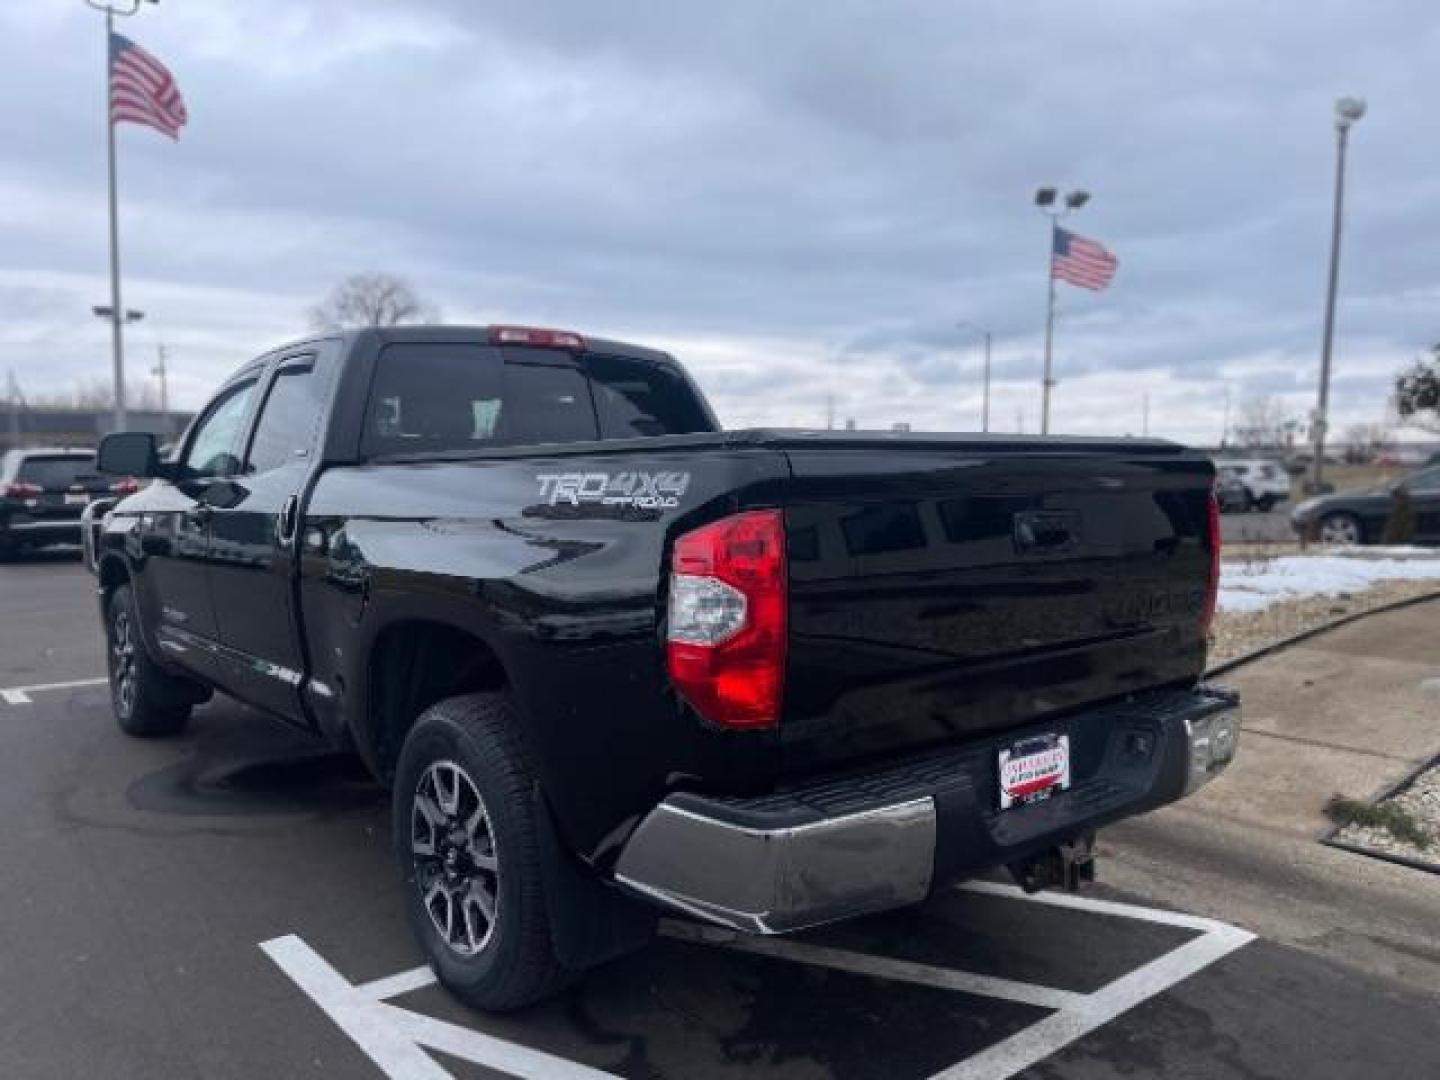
(1254, 586)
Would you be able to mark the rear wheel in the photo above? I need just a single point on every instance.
(1340, 529)
(469, 850)
(147, 701)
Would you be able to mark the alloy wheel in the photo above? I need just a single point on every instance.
(1339, 530)
(122, 661)
(456, 863)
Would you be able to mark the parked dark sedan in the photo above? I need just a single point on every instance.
(1359, 517)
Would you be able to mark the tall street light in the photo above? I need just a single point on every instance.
(1046, 200)
(1348, 111)
(985, 400)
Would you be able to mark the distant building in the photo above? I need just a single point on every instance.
(21, 425)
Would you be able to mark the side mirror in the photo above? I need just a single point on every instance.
(129, 453)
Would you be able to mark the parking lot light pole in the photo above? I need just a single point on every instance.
(1045, 199)
(1348, 110)
(985, 398)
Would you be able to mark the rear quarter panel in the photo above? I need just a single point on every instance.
(566, 589)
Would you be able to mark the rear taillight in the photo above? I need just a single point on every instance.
(23, 491)
(725, 636)
(1212, 587)
(530, 335)
(128, 486)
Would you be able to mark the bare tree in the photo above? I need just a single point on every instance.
(371, 300)
(1261, 423)
(1365, 442)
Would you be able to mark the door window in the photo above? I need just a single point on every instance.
(215, 446)
(1428, 481)
(286, 428)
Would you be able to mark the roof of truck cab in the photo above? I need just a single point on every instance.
(442, 332)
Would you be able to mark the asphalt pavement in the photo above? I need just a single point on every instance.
(224, 904)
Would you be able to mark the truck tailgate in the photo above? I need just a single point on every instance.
(945, 588)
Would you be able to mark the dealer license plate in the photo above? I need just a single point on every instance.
(1034, 769)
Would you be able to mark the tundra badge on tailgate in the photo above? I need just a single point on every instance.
(647, 491)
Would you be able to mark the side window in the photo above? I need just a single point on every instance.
(636, 397)
(215, 446)
(285, 431)
(1426, 480)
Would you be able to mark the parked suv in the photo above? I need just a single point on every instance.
(43, 491)
(1266, 482)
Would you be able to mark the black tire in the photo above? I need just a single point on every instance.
(148, 702)
(508, 961)
(1266, 503)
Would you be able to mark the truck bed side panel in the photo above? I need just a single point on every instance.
(565, 589)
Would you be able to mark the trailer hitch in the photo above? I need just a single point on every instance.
(1065, 865)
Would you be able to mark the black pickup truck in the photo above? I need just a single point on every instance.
(615, 661)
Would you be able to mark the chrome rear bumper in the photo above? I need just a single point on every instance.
(865, 844)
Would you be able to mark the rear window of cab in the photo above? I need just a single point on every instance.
(432, 398)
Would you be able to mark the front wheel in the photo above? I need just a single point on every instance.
(469, 851)
(147, 701)
(1340, 529)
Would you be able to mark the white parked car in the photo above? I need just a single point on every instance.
(1266, 482)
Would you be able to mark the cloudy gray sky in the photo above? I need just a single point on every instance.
(797, 198)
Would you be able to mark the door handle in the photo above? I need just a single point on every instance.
(286, 520)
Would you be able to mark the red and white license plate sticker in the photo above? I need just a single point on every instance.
(1031, 770)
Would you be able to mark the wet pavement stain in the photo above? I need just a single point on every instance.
(244, 770)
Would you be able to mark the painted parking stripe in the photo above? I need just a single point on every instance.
(884, 967)
(20, 695)
(395, 1038)
(1039, 1041)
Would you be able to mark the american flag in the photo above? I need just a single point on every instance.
(1082, 262)
(142, 90)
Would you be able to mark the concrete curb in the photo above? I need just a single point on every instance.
(1329, 837)
(1316, 631)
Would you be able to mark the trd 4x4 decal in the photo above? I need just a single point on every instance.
(645, 490)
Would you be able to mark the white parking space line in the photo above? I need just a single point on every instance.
(395, 1039)
(20, 695)
(883, 967)
(1057, 1031)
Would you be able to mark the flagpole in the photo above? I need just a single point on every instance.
(117, 312)
(1048, 381)
(1046, 200)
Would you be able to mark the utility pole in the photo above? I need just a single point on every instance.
(1145, 413)
(1225, 430)
(1348, 111)
(985, 384)
(1045, 199)
(16, 402)
(830, 412)
(159, 371)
